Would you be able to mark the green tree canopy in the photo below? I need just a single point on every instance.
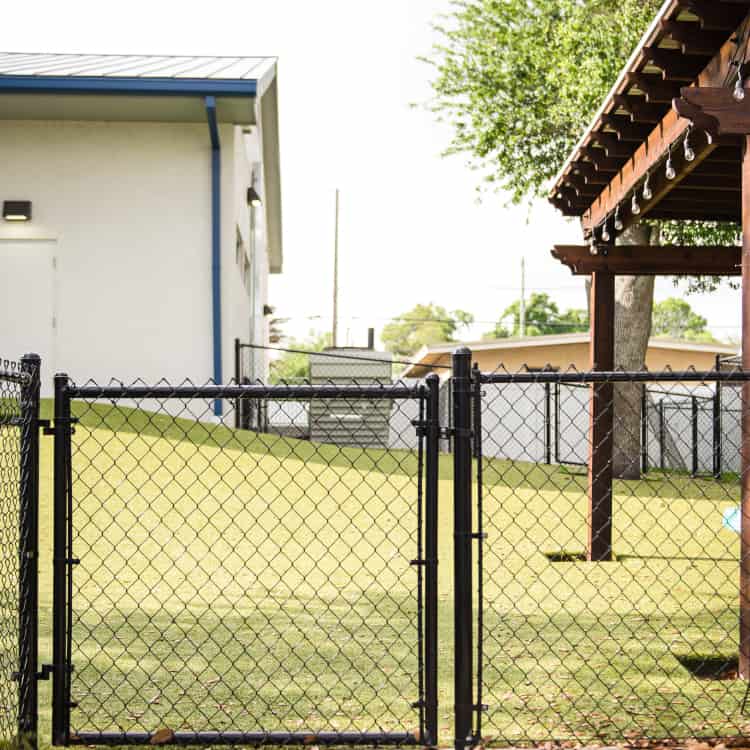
(292, 366)
(675, 318)
(421, 326)
(543, 316)
(520, 80)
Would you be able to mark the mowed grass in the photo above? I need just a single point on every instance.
(236, 581)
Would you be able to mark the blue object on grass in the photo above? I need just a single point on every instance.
(732, 519)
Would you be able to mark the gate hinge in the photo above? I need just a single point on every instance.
(482, 707)
(426, 561)
(48, 427)
(419, 704)
(451, 432)
(421, 426)
(481, 535)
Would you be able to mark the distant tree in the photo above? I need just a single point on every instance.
(543, 316)
(675, 318)
(292, 366)
(421, 326)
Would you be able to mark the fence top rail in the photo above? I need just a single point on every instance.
(616, 376)
(254, 391)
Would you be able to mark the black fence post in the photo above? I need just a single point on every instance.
(61, 488)
(547, 424)
(718, 442)
(432, 457)
(462, 537)
(644, 429)
(238, 381)
(662, 436)
(28, 590)
(694, 436)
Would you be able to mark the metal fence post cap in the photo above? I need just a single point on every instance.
(462, 351)
(432, 377)
(31, 357)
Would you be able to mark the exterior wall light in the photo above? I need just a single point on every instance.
(253, 199)
(17, 210)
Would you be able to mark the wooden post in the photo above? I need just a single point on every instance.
(601, 418)
(745, 450)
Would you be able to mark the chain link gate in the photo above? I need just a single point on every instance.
(216, 586)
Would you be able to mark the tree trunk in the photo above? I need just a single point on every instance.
(634, 300)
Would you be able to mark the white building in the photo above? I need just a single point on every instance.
(150, 188)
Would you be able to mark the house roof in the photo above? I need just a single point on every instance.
(685, 39)
(437, 353)
(44, 66)
(152, 88)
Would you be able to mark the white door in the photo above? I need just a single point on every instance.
(27, 304)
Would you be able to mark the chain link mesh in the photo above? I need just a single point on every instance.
(230, 580)
(11, 420)
(644, 646)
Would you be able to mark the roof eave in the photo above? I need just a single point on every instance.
(125, 85)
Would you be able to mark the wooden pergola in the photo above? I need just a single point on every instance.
(670, 141)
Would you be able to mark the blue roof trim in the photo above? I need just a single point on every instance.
(121, 85)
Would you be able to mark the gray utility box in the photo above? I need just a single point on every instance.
(358, 422)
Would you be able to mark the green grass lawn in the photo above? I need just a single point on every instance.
(235, 581)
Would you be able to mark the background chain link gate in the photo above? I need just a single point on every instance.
(219, 586)
(643, 644)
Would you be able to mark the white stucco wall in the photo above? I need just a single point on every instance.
(125, 209)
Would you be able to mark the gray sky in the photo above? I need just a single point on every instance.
(412, 228)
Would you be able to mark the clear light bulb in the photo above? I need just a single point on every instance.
(635, 208)
(605, 233)
(647, 193)
(593, 249)
(709, 138)
(689, 153)
(739, 88)
(618, 221)
(670, 173)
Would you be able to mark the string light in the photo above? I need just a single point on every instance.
(647, 193)
(605, 232)
(618, 221)
(635, 208)
(709, 138)
(670, 174)
(739, 88)
(689, 153)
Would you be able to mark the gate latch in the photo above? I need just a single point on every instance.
(47, 670)
(48, 428)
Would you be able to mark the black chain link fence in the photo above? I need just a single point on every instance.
(234, 586)
(645, 645)
(19, 472)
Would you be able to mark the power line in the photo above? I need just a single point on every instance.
(345, 356)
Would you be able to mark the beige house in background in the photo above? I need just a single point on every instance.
(564, 351)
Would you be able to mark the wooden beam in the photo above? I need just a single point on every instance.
(674, 65)
(745, 421)
(601, 419)
(626, 129)
(716, 16)
(651, 260)
(692, 39)
(655, 88)
(613, 147)
(716, 103)
(639, 109)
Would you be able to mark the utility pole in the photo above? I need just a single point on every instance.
(522, 316)
(334, 332)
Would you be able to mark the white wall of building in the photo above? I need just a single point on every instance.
(123, 210)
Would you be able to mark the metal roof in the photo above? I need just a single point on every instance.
(135, 66)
